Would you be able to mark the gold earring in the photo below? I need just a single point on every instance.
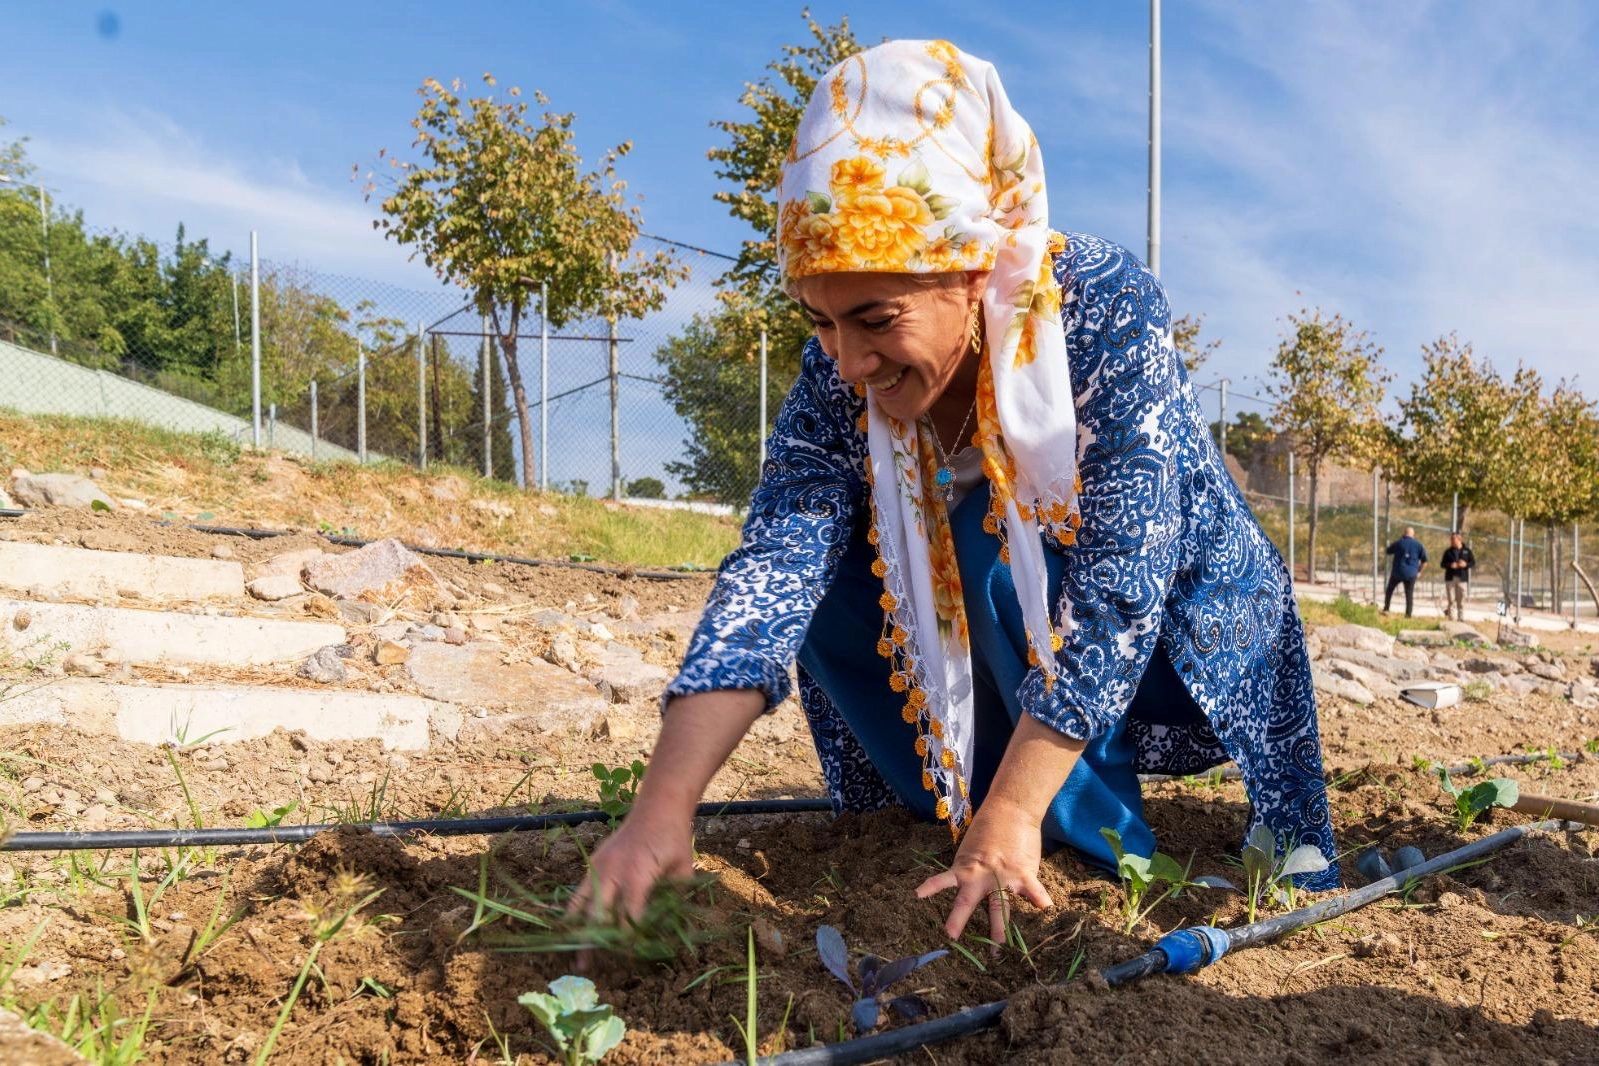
(975, 329)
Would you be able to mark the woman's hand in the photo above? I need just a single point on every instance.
(997, 858)
(630, 862)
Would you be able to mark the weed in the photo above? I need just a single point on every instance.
(1270, 865)
(1590, 925)
(583, 1028)
(96, 1028)
(1592, 746)
(261, 819)
(747, 1028)
(1470, 803)
(1476, 691)
(877, 976)
(1142, 875)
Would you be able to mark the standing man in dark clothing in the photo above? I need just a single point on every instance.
(1409, 558)
(1457, 563)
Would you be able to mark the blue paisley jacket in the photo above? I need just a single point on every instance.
(1168, 552)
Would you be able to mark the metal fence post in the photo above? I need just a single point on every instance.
(544, 386)
(272, 425)
(1576, 593)
(1291, 569)
(1376, 541)
(255, 343)
(616, 414)
(360, 403)
(761, 464)
(1454, 515)
(421, 401)
(488, 386)
(313, 419)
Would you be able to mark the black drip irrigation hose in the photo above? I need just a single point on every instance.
(445, 553)
(111, 840)
(1182, 951)
(1232, 773)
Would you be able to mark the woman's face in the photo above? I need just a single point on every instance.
(905, 336)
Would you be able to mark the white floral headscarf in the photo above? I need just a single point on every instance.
(910, 158)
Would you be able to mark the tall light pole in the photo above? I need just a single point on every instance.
(1154, 137)
(49, 284)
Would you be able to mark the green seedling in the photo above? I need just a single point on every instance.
(583, 1028)
(618, 787)
(877, 976)
(1142, 875)
(1269, 869)
(1592, 746)
(96, 1028)
(748, 1028)
(1470, 803)
(261, 819)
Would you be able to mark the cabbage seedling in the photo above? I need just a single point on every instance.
(1143, 874)
(1268, 872)
(876, 977)
(618, 787)
(583, 1028)
(1470, 803)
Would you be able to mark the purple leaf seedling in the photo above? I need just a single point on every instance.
(876, 978)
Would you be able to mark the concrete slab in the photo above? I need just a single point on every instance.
(54, 570)
(477, 674)
(155, 714)
(160, 636)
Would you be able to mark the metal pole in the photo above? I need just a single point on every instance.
(238, 336)
(1454, 515)
(1376, 541)
(1520, 526)
(1222, 421)
(255, 343)
(49, 281)
(616, 416)
(1290, 514)
(544, 386)
(360, 403)
(761, 465)
(313, 418)
(272, 425)
(421, 400)
(488, 385)
(1154, 136)
(1576, 593)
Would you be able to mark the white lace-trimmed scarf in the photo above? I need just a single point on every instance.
(910, 158)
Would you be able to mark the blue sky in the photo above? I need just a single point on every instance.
(1418, 167)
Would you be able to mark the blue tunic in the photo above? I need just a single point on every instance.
(1168, 556)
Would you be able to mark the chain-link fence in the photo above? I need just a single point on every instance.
(1360, 512)
(345, 368)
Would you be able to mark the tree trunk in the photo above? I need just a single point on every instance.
(518, 392)
(1460, 521)
(1310, 550)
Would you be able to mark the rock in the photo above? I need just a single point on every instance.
(598, 629)
(455, 635)
(769, 939)
(563, 652)
(624, 678)
(358, 612)
(59, 490)
(221, 551)
(6, 502)
(383, 572)
(1522, 685)
(275, 587)
(627, 608)
(1412, 653)
(1350, 635)
(1481, 666)
(1433, 638)
(83, 665)
(1462, 632)
(1395, 669)
(1378, 944)
(133, 503)
(493, 507)
(324, 667)
(477, 673)
(615, 727)
(292, 563)
(1313, 646)
(1593, 666)
(1547, 671)
(320, 775)
(1581, 693)
(97, 473)
(1351, 672)
(22, 619)
(490, 588)
(1333, 685)
(390, 653)
(1518, 638)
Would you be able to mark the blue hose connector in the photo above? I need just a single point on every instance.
(1191, 949)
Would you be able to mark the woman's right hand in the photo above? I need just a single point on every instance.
(644, 850)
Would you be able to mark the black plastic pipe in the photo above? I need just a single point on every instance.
(1232, 773)
(298, 834)
(1181, 951)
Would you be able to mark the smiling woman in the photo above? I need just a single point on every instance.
(1001, 631)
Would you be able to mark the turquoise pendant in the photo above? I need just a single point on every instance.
(945, 477)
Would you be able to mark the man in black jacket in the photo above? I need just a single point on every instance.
(1457, 563)
(1409, 558)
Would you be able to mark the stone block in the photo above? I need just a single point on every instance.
(59, 490)
(1331, 684)
(56, 571)
(1349, 635)
(384, 572)
(274, 587)
(477, 674)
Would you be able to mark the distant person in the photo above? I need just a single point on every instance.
(1457, 563)
(1409, 558)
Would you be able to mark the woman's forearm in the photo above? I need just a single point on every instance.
(1036, 763)
(698, 733)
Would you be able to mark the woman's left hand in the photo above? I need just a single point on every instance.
(998, 858)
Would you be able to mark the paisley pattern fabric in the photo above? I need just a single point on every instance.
(1167, 552)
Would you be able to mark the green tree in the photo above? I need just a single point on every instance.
(499, 205)
(1451, 435)
(1562, 466)
(1326, 383)
(712, 368)
(1248, 438)
(646, 488)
